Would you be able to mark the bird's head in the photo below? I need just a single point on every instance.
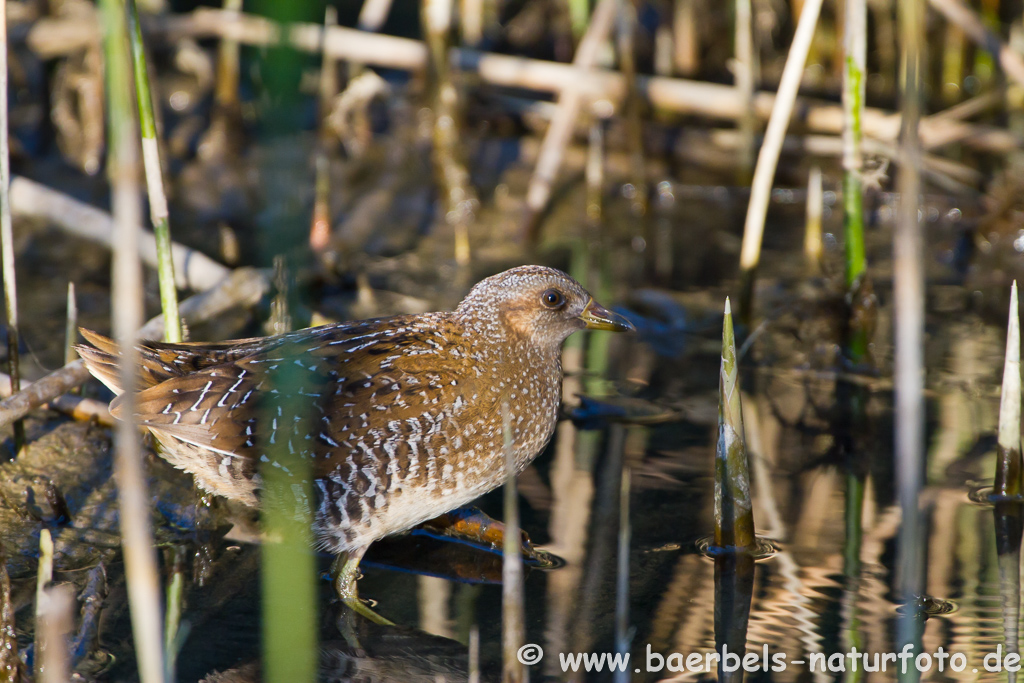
(539, 304)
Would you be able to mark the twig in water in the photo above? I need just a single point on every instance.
(193, 269)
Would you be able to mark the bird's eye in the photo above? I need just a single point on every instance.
(552, 298)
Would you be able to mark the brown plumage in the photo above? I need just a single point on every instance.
(400, 416)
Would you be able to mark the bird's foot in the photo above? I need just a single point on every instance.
(346, 573)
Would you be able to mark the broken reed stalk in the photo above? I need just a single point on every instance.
(812, 230)
(226, 90)
(134, 513)
(734, 516)
(54, 622)
(768, 157)
(1008, 480)
(743, 79)
(459, 198)
(158, 212)
(908, 321)
(559, 133)
(70, 326)
(471, 22)
(632, 106)
(7, 233)
(513, 627)
(474, 654)
(320, 230)
(968, 20)
(44, 575)
(172, 620)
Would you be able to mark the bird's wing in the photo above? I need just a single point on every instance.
(334, 392)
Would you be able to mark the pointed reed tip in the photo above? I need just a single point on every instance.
(728, 307)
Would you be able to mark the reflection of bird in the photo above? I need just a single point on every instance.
(400, 417)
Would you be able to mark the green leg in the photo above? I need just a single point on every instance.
(346, 572)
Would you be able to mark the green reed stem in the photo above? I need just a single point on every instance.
(133, 500)
(158, 211)
(734, 517)
(855, 42)
(7, 234)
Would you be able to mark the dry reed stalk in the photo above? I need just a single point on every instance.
(52, 396)
(626, 42)
(55, 620)
(474, 654)
(70, 326)
(622, 574)
(908, 323)
(373, 14)
(968, 20)
(560, 130)
(743, 80)
(226, 92)
(946, 173)
(7, 233)
(320, 230)
(686, 37)
(768, 157)
(458, 195)
(471, 22)
(513, 629)
(671, 94)
(812, 230)
(44, 575)
(11, 667)
(133, 500)
(193, 270)
(244, 287)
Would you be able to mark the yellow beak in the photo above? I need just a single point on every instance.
(597, 317)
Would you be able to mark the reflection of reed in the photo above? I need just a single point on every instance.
(434, 594)
(572, 489)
